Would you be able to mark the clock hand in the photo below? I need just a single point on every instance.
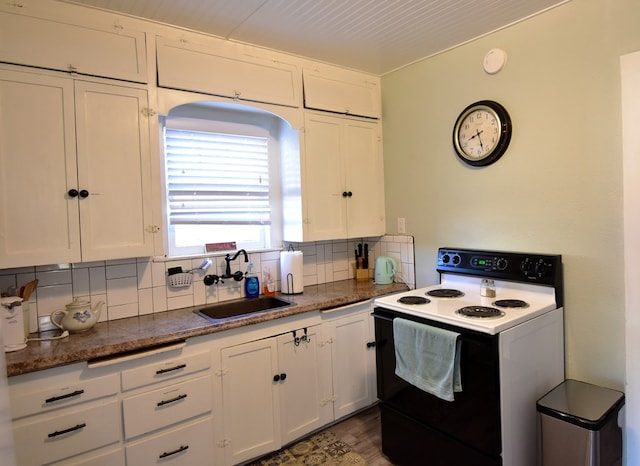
(479, 139)
(477, 135)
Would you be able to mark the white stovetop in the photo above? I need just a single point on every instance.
(541, 299)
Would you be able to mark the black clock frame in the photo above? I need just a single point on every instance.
(504, 138)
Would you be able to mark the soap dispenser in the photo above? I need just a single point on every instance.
(251, 283)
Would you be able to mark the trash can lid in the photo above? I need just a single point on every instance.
(580, 403)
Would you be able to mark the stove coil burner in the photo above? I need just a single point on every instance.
(481, 312)
(445, 293)
(513, 303)
(413, 300)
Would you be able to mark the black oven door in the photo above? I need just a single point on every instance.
(470, 422)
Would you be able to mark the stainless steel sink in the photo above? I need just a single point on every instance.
(241, 307)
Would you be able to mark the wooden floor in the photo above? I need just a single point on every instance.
(362, 433)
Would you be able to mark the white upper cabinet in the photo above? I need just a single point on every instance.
(228, 69)
(342, 91)
(38, 223)
(342, 192)
(86, 47)
(114, 167)
(75, 170)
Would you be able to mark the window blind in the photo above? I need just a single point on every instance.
(215, 178)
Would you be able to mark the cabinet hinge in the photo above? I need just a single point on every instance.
(153, 228)
(148, 112)
(326, 401)
(118, 27)
(328, 341)
(16, 5)
(224, 443)
(221, 372)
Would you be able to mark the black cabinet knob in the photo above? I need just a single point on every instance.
(84, 194)
(72, 192)
(371, 344)
(347, 194)
(279, 377)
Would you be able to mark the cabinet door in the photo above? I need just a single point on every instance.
(114, 167)
(342, 91)
(250, 402)
(353, 363)
(303, 388)
(323, 183)
(39, 223)
(114, 52)
(227, 69)
(343, 184)
(362, 145)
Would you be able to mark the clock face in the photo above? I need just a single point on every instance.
(482, 133)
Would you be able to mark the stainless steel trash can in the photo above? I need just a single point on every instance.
(578, 425)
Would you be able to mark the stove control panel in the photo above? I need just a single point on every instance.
(523, 267)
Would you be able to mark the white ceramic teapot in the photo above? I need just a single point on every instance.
(78, 316)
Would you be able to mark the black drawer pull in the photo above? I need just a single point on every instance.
(172, 400)
(62, 397)
(174, 452)
(66, 431)
(170, 369)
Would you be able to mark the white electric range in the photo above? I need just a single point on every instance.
(506, 310)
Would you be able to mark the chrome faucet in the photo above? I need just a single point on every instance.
(228, 259)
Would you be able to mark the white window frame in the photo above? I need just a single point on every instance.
(221, 120)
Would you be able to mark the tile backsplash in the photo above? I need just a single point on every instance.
(139, 286)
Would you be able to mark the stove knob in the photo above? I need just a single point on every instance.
(446, 258)
(456, 259)
(501, 263)
(527, 267)
(541, 268)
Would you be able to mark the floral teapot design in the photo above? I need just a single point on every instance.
(78, 316)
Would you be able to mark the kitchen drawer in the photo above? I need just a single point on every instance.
(168, 369)
(106, 457)
(49, 438)
(168, 405)
(188, 445)
(60, 395)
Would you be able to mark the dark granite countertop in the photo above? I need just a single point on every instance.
(137, 333)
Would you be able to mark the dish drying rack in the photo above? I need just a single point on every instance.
(180, 279)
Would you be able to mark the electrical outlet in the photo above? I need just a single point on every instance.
(401, 225)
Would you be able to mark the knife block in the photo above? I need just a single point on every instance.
(362, 274)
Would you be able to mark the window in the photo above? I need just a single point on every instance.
(222, 181)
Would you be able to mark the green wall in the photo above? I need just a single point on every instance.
(558, 187)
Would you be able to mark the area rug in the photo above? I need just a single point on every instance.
(322, 449)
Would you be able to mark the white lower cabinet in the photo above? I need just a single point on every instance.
(63, 415)
(156, 409)
(61, 435)
(188, 445)
(350, 335)
(266, 386)
(271, 392)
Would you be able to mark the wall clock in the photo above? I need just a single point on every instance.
(482, 133)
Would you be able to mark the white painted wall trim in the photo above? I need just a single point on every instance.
(630, 74)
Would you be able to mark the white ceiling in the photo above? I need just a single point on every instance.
(377, 36)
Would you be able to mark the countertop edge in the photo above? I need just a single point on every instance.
(107, 339)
